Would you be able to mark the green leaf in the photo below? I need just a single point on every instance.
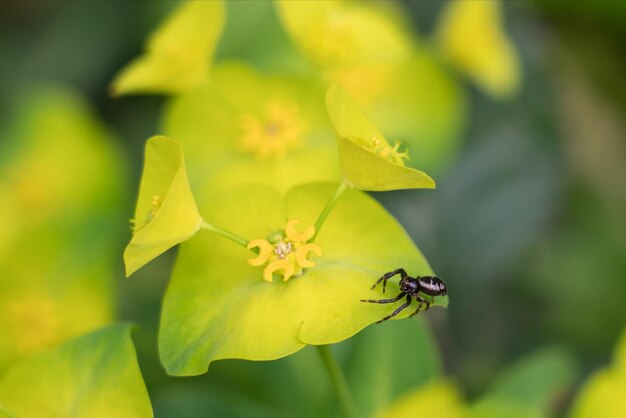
(603, 394)
(179, 54)
(471, 36)
(530, 387)
(166, 212)
(368, 161)
(384, 361)
(96, 375)
(438, 399)
(218, 306)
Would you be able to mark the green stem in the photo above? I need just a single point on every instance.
(327, 209)
(339, 382)
(226, 234)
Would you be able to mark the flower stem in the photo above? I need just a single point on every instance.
(226, 234)
(339, 382)
(327, 209)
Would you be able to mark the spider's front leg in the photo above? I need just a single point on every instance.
(419, 306)
(388, 276)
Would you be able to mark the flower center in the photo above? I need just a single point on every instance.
(382, 148)
(285, 252)
(277, 130)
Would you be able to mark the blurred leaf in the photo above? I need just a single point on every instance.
(439, 399)
(471, 35)
(166, 212)
(185, 401)
(218, 306)
(61, 190)
(603, 394)
(530, 388)
(499, 195)
(331, 33)
(179, 54)
(387, 360)
(93, 376)
(368, 161)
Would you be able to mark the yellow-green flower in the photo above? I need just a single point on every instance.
(221, 302)
(166, 212)
(178, 54)
(250, 128)
(368, 160)
(393, 76)
(471, 35)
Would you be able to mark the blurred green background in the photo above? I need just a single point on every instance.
(527, 224)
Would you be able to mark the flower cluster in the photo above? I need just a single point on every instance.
(261, 165)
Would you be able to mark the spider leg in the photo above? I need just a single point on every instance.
(397, 311)
(388, 276)
(397, 298)
(419, 306)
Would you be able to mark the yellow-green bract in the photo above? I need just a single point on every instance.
(179, 54)
(166, 212)
(368, 160)
(471, 36)
(218, 306)
(395, 78)
(246, 127)
(93, 376)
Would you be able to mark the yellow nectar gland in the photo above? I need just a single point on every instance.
(387, 152)
(156, 204)
(286, 251)
(278, 130)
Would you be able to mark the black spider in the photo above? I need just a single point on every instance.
(411, 287)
